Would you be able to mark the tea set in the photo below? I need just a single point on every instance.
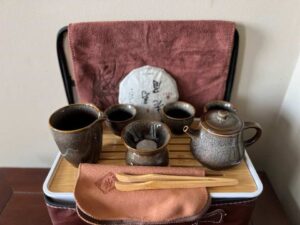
(218, 142)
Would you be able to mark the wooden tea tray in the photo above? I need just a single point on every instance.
(61, 179)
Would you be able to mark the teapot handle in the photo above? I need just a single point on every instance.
(256, 136)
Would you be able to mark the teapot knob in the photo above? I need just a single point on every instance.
(222, 114)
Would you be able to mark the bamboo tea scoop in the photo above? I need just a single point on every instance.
(158, 181)
(151, 177)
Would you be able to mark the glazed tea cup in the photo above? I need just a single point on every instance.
(77, 131)
(118, 116)
(177, 115)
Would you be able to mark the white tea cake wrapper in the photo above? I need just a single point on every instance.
(148, 88)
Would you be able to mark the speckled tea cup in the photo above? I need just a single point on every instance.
(118, 116)
(177, 115)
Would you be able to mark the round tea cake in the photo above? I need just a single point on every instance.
(148, 88)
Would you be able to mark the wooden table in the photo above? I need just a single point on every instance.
(113, 152)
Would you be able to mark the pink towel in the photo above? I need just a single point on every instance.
(196, 53)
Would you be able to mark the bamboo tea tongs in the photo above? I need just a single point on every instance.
(126, 182)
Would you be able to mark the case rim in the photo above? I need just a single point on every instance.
(68, 197)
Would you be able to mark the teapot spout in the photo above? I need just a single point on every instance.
(192, 133)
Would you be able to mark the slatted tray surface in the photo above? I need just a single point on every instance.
(113, 152)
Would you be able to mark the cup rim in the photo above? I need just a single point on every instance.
(180, 102)
(99, 113)
(118, 105)
(148, 151)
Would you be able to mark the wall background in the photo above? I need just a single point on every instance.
(265, 88)
(284, 149)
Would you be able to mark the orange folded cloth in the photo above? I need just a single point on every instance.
(98, 201)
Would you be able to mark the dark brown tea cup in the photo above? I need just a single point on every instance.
(77, 131)
(151, 132)
(118, 116)
(177, 115)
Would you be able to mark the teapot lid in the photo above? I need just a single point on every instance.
(221, 122)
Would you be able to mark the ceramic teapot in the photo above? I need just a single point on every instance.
(219, 142)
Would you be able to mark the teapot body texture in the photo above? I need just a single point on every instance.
(219, 142)
(217, 152)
